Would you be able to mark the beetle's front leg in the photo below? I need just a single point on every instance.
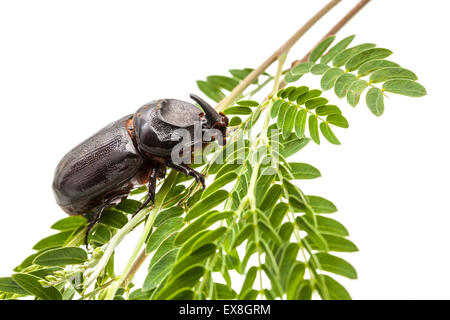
(151, 189)
(188, 171)
(93, 221)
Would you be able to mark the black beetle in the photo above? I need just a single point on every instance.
(132, 151)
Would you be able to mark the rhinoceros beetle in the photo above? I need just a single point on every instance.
(130, 152)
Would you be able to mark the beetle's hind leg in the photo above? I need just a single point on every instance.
(156, 172)
(93, 221)
(188, 171)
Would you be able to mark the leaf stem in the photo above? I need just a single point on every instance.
(237, 91)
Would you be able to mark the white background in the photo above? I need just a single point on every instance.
(67, 68)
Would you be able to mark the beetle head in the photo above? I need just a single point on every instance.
(214, 119)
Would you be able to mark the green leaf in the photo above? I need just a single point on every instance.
(328, 133)
(289, 77)
(302, 68)
(129, 205)
(339, 244)
(316, 102)
(218, 216)
(278, 213)
(238, 110)
(303, 171)
(101, 234)
(328, 225)
(385, 74)
(240, 73)
(321, 205)
(355, 90)
(182, 294)
(113, 218)
(219, 183)
(270, 198)
(248, 103)
(321, 48)
(298, 92)
(163, 249)
(7, 284)
(280, 119)
(206, 204)
(304, 290)
(209, 237)
(268, 231)
(284, 93)
(335, 289)
(373, 65)
(69, 223)
(336, 49)
(248, 281)
(300, 123)
(336, 265)
(275, 108)
(138, 294)
(235, 121)
(167, 214)
(53, 241)
(375, 101)
(159, 270)
(222, 291)
(317, 239)
(343, 83)
(405, 87)
(31, 285)
(338, 120)
(319, 69)
(163, 232)
(194, 258)
(223, 82)
(327, 110)
(209, 90)
(329, 78)
(371, 54)
(61, 257)
(296, 275)
(288, 259)
(293, 145)
(314, 129)
(345, 55)
(288, 122)
(188, 279)
(243, 235)
(301, 99)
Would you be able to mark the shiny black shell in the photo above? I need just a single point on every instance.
(99, 168)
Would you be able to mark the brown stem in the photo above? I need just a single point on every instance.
(336, 28)
(237, 91)
(134, 268)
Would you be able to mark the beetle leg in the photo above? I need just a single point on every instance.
(151, 189)
(187, 171)
(94, 220)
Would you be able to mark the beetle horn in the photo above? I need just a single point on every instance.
(210, 112)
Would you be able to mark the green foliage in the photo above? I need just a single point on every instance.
(344, 69)
(253, 219)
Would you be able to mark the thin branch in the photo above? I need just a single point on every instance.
(333, 31)
(237, 91)
(134, 268)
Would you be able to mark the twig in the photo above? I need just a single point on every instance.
(134, 268)
(283, 49)
(336, 28)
